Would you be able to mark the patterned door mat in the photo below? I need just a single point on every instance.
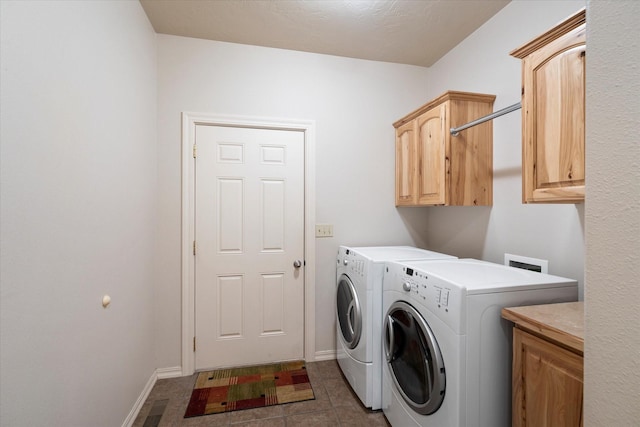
(226, 390)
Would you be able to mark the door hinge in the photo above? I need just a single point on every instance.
(194, 344)
(195, 150)
(194, 247)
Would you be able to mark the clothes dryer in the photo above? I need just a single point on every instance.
(359, 314)
(447, 350)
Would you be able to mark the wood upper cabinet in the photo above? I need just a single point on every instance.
(553, 114)
(435, 168)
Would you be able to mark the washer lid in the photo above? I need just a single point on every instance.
(397, 253)
(478, 277)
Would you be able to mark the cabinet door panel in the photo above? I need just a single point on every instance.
(548, 383)
(405, 165)
(559, 119)
(554, 117)
(432, 157)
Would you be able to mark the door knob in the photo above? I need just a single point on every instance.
(297, 263)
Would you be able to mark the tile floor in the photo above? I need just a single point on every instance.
(335, 405)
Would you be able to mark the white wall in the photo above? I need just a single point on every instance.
(78, 188)
(354, 104)
(612, 343)
(78, 199)
(481, 63)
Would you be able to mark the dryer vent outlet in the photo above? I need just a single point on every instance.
(526, 263)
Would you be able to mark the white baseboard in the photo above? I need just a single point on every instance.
(325, 355)
(173, 372)
(158, 374)
(141, 399)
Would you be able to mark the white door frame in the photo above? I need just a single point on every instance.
(189, 123)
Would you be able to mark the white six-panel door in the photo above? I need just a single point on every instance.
(249, 233)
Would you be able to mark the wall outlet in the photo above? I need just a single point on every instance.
(324, 230)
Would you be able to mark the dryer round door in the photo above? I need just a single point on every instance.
(349, 312)
(414, 358)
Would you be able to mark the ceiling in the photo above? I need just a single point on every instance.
(417, 32)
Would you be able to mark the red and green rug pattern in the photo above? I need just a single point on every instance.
(227, 390)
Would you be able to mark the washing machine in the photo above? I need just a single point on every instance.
(359, 314)
(447, 350)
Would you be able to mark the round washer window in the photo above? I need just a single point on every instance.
(349, 313)
(414, 358)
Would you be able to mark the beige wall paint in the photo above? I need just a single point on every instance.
(77, 211)
(481, 63)
(354, 103)
(612, 342)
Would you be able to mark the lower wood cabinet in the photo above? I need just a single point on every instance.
(548, 365)
(547, 383)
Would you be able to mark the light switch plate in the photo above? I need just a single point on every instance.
(324, 230)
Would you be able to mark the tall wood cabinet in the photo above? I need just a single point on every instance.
(548, 372)
(553, 113)
(435, 168)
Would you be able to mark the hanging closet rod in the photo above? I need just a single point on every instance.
(514, 107)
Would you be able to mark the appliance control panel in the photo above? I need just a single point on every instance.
(441, 298)
(351, 262)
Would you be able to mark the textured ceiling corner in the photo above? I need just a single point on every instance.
(406, 32)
